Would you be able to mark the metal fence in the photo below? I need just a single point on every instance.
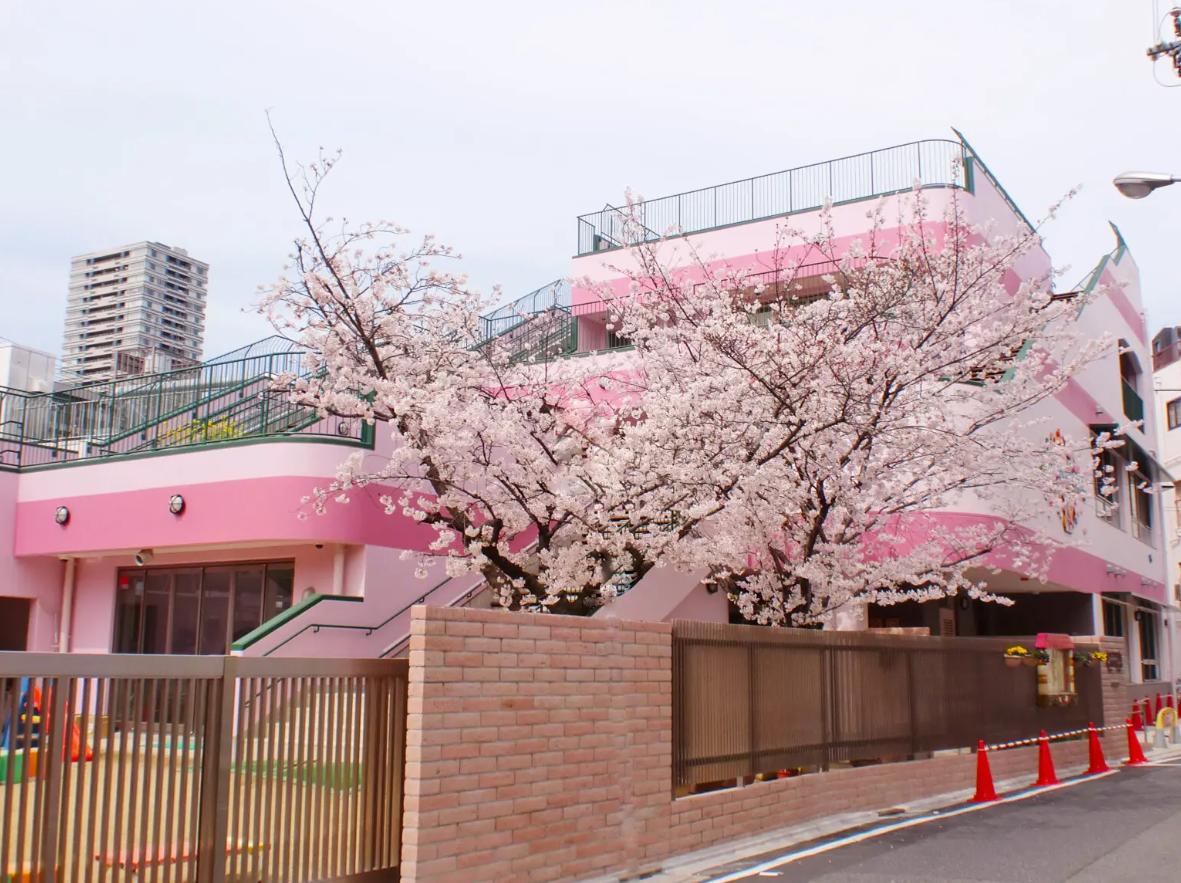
(751, 700)
(199, 768)
(218, 401)
(931, 163)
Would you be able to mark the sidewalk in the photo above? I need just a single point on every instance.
(736, 855)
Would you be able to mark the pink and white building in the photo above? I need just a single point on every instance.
(166, 513)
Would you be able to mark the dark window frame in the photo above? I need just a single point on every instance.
(118, 643)
(1173, 413)
(1114, 619)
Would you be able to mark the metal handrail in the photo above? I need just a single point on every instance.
(458, 602)
(508, 316)
(865, 175)
(368, 629)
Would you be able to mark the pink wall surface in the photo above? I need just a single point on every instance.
(242, 511)
(38, 579)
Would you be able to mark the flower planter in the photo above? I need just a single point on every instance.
(1031, 661)
(1012, 661)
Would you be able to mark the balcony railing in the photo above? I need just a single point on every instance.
(1133, 404)
(223, 400)
(932, 163)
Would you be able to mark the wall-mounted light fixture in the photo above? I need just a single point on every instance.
(143, 556)
(62, 515)
(176, 504)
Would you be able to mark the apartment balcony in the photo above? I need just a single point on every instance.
(1166, 355)
(1133, 404)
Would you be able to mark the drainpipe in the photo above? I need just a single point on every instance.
(338, 570)
(66, 620)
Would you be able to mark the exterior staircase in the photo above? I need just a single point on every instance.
(536, 326)
(226, 398)
(375, 625)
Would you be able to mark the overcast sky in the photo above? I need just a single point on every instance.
(495, 124)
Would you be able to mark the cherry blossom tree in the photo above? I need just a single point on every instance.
(800, 443)
(495, 452)
(869, 439)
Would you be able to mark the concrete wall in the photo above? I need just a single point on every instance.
(540, 748)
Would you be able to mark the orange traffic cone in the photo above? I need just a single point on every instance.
(984, 789)
(1045, 763)
(1098, 761)
(1136, 720)
(1135, 752)
(1147, 716)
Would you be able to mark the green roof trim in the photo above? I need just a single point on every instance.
(976, 161)
(1121, 247)
(286, 616)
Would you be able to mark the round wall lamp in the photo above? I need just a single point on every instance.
(62, 515)
(176, 504)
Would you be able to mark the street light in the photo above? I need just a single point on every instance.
(1137, 185)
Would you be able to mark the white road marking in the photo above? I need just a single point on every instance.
(937, 815)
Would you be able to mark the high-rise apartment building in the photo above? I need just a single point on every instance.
(134, 309)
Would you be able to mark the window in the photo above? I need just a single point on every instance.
(1147, 633)
(1140, 491)
(1173, 413)
(197, 610)
(1108, 481)
(1129, 371)
(1113, 619)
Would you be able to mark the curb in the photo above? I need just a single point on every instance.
(719, 860)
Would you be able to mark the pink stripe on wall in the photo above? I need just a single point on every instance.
(1083, 405)
(1071, 567)
(247, 511)
(1115, 293)
(756, 255)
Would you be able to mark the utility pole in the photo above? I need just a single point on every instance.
(1172, 49)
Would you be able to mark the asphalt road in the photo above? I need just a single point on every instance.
(1117, 828)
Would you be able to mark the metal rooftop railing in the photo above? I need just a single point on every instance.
(932, 163)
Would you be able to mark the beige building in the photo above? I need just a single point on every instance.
(1166, 377)
(24, 368)
(133, 309)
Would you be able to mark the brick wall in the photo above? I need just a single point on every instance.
(539, 748)
(1116, 701)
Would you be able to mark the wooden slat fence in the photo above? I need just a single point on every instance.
(749, 700)
(190, 768)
